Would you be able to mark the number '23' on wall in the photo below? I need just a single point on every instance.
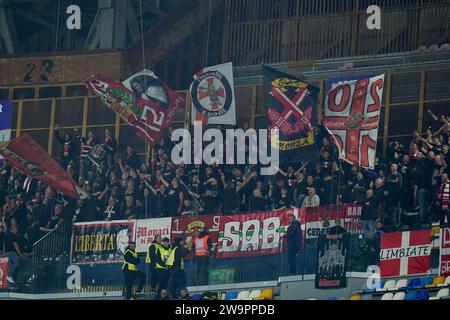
(46, 70)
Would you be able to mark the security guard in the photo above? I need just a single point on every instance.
(131, 271)
(203, 250)
(151, 260)
(176, 266)
(162, 269)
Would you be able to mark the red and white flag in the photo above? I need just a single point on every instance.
(405, 253)
(444, 260)
(352, 115)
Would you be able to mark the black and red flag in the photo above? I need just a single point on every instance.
(291, 106)
(143, 101)
(27, 155)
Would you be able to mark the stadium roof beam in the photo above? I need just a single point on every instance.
(110, 13)
(8, 36)
(171, 31)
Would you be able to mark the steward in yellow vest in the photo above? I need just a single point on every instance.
(176, 265)
(162, 270)
(131, 271)
(152, 252)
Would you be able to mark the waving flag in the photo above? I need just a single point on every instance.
(291, 107)
(352, 115)
(28, 156)
(212, 95)
(143, 101)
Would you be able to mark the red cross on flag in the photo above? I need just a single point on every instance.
(352, 115)
(405, 253)
(212, 94)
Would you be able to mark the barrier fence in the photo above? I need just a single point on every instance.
(248, 247)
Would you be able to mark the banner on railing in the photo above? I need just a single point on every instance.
(444, 261)
(405, 253)
(252, 234)
(101, 242)
(147, 229)
(4, 268)
(331, 263)
(313, 219)
(189, 227)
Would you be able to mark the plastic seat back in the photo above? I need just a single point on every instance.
(411, 295)
(231, 295)
(243, 295)
(387, 296)
(399, 296)
(423, 295)
(254, 294)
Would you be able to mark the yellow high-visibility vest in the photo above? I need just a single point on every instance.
(131, 266)
(171, 259)
(165, 254)
(148, 258)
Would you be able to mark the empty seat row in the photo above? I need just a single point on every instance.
(266, 294)
(414, 295)
(415, 283)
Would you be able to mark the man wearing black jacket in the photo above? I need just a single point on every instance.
(68, 147)
(369, 215)
(131, 271)
(293, 236)
(176, 266)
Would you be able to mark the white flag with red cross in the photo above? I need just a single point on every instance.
(405, 253)
(212, 94)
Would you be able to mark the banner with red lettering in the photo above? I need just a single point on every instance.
(4, 268)
(252, 234)
(444, 260)
(143, 101)
(28, 156)
(352, 115)
(405, 253)
(147, 229)
(313, 219)
(189, 227)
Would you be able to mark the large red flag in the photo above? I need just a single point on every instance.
(28, 156)
(143, 101)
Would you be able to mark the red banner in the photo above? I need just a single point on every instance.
(444, 261)
(253, 234)
(149, 113)
(28, 156)
(188, 228)
(4, 267)
(405, 253)
(312, 219)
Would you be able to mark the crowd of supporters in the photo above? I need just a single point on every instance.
(412, 178)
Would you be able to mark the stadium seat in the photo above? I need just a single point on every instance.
(442, 293)
(438, 280)
(377, 287)
(426, 281)
(254, 294)
(387, 296)
(243, 295)
(433, 47)
(389, 285)
(355, 297)
(414, 283)
(445, 46)
(401, 283)
(423, 295)
(231, 295)
(399, 296)
(411, 295)
(446, 282)
(197, 297)
(266, 294)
